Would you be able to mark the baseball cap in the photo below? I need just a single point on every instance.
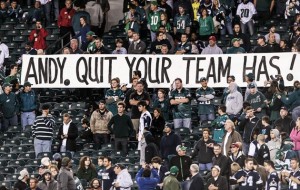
(261, 37)
(284, 108)
(203, 79)
(154, 3)
(217, 167)
(174, 170)
(235, 39)
(212, 38)
(235, 145)
(181, 147)
(252, 85)
(250, 76)
(27, 84)
(90, 33)
(23, 173)
(6, 85)
(45, 161)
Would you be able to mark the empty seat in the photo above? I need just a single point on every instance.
(11, 21)
(19, 149)
(19, 38)
(66, 154)
(78, 105)
(12, 143)
(52, 37)
(26, 32)
(13, 33)
(44, 154)
(21, 26)
(7, 170)
(52, 26)
(6, 27)
(81, 153)
(33, 163)
(12, 45)
(17, 52)
(6, 39)
(61, 106)
(15, 128)
(26, 156)
(6, 184)
(27, 142)
(4, 150)
(16, 163)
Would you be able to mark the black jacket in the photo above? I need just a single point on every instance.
(71, 139)
(183, 164)
(244, 39)
(263, 154)
(20, 185)
(203, 153)
(151, 151)
(249, 127)
(221, 182)
(168, 144)
(196, 182)
(87, 134)
(223, 162)
(285, 124)
(240, 159)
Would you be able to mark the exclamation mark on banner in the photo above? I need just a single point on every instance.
(290, 76)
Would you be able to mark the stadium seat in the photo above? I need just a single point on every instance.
(52, 37)
(21, 26)
(263, 29)
(3, 163)
(66, 154)
(29, 169)
(44, 154)
(13, 33)
(26, 32)
(27, 142)
(79, 154)
(16, 163)
(1, 177)
(52, 26)
(26, 156)
(12, 45)
(182, 131)
(19, 38)
(17, 52)
(78, 106)
(4, 150)
(70, 112)
(19, 149)
(6, 27)
(11, 143)
(96, 154)
(33, 163)
(8, 156)
(76, 119)
(90, 147)
(61, 106)
(12, 178)
(7, 170)
(15, 128)
(12, 21)
(5, 39)
(6, 184)
(22, 136)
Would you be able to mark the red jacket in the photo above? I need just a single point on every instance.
(65, 17)
(39, 42)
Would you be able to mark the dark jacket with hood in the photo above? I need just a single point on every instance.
(151, 149)
(203, 153)
(240, 159)
(168, 144)
(72, 135)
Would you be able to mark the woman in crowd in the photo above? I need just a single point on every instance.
(295, 137)
(162, 103)
(86, 169)
(206, 25)
(157, 126)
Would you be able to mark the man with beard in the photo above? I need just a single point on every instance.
(47, 183)
(285, 123)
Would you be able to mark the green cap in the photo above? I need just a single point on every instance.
(235, 39)
(90, 33)
(154, 3)
(174, 170)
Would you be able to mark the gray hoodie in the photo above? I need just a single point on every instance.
(52, 185)
(234, 100)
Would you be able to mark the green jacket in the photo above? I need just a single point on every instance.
(218, 126)
(112, 98)
(181, 111)
(171, 183)
(87, 174)
(205, 100)
(9, 104)
(206, 26)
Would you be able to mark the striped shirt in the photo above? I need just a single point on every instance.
(42, 128)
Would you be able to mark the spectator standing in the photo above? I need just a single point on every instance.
(42, 131)
(144, 126)
(99, 124)
(86, 169)
(87, 132)
(206, 25)
(212, 47)
(154, 19)
(257, 101)
(48, 183)
(263, 153)
(9, 106)
(264, 9)
(236, 47)
(21, 184)
(217, 181)
(245, 11)
(231, 136)
(248, 125)
(46, 6)
(4, 54)
(292, 177)
(274, 144)
(147, 178)
(180, 100)
(205, 96)
(244, 38)
(161, 170)
(108, 174)
(3, 12)
(65, 177)
(132, 19)
(203, 151)
(242, 176)
(64, 21)
(79, 12)
(168, 144)
(123, 179)
(139, 95)
(85, 34)
(96, 14)
(285, 123)
(273, 180)
(162, 103)
(170, 182)
(221, 160)
(114, 95)
(236, 155)
(122, 128)
(67, 134)
(38, 36)
(295, 137)
(28, 105)
(218, 124)
(196, 179)
(137, 46)
(182, 22)
(182, 162)
(105, 8)
(234, 101)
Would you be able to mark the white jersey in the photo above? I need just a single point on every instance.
(246, 11)
(4, 53)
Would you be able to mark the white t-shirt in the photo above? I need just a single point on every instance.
(246, 11)
(4, 53)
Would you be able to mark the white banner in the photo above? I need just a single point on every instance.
(96, 71)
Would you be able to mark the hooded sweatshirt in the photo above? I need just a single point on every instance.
(274, 144)
(124, 180)
(234, 101)
(96, 13)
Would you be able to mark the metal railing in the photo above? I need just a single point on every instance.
(56, 44)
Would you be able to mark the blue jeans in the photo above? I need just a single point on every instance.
(56, 9)
(47, 12)
(207, 117)
(42, 146)
(246, 147)
(296, 113)
(9, 122)
(249, 25)
(27, 118)
(182, 122)
(205, 167)
(228, 28)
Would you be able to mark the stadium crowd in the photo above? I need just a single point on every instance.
(136, 137)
